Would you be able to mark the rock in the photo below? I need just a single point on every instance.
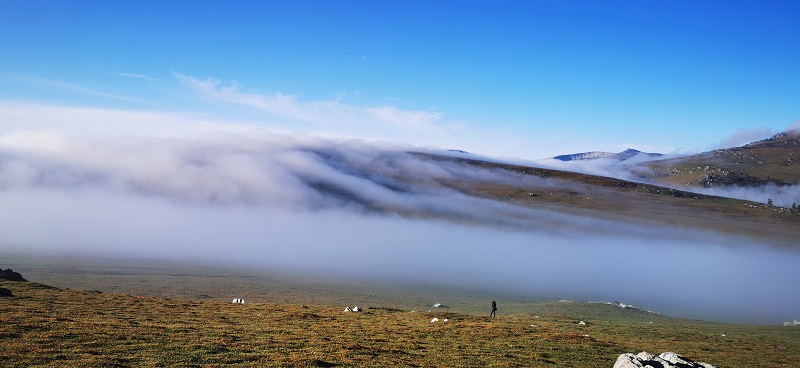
(356, 309)
(664, 360)
(10, 275)
(5, 292)
(581, 323)
(347, 309)
(238, 301)
(434, 320)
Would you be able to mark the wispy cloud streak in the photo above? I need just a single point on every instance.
(136, 76)
(318, 113)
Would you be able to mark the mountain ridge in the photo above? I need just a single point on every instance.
(593, 155)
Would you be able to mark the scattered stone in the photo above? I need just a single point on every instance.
(434, 320)
(5, 292)
(664, 360)
(238, 301)
(582, 323)
(356, 309)
(627, 306)
(303, 306)
(347, 309)
(446, 320)
(10, 275)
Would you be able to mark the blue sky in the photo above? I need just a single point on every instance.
(527, 79)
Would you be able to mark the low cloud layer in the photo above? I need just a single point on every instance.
(784, 196)
(339, 207)
(743, 136)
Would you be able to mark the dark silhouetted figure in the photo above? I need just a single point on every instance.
(494, 309)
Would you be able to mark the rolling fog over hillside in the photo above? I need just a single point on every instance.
(347, 208)
(633, 169)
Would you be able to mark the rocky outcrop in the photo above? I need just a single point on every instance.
(10, 275)
(5, 292)
(664, 360)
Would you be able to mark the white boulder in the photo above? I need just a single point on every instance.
(238, 301)
(664, 360)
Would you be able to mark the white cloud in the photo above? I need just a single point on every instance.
(784, 196)
(137, 76)
(57, 84)
(743, 136)
(794, 127)
(320, 114)
(386, 123)
(89, 121)
(345, 208)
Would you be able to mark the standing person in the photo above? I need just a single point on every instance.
(494, 309)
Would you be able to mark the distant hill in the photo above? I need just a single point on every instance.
(775, 160)
(621, 156)
(625, 200)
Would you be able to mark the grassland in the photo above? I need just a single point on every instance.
(46, 326)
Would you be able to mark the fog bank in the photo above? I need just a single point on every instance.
(349, 209)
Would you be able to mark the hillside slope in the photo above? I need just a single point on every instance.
(610, 198)
(771, 161)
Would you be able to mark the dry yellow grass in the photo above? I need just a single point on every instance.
(45, 326)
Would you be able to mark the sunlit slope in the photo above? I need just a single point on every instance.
(771, 161)
(610, 198)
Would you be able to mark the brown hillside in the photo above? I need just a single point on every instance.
(604, 197)
(775, 160)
